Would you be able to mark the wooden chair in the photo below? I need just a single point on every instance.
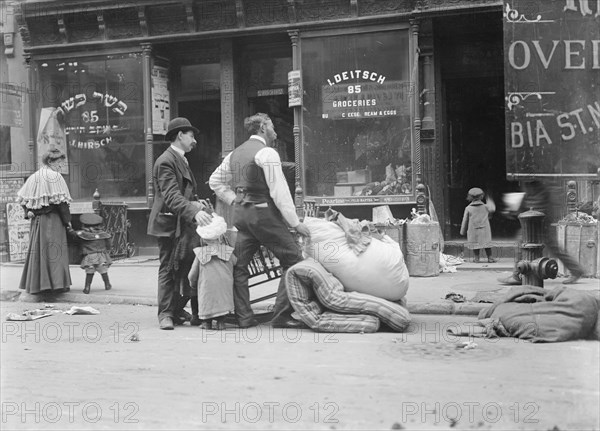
(263, 268)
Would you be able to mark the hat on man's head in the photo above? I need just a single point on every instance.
(91, 219)
(475, 191)
(177, 125)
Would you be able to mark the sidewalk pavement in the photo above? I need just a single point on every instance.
(134, 281)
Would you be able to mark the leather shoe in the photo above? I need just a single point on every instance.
(511, 280)
(290, 323)
(248, 324)
(184, 315)
(166, 323)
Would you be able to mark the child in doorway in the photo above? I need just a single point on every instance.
(95, 244)
(211, 276)
(476, 224)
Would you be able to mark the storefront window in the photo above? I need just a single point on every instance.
(356, 117)
(97, 105)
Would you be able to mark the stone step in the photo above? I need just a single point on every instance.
(503, 249)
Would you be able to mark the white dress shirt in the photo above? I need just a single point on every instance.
(268, 159)
(181, 153)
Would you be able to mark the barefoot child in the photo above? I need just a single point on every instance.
(95, 244)
(476, 224)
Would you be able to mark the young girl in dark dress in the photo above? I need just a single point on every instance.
(95, 246)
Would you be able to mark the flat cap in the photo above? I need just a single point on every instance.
(91, 219)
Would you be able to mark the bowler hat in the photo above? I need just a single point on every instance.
(91, 219)
(177, 125)
(475, 191)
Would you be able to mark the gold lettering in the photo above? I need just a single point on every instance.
(576, 113)
(594, 111)
(526, 55)
(541, 133)
(561, 124)
(570, 53)
(529, 133)
(516, 131)
(545, 61)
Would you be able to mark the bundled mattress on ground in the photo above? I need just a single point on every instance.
(320, 301)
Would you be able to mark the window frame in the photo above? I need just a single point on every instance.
(412, 108)
(100, 55)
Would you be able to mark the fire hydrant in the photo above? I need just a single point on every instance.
(534, 267)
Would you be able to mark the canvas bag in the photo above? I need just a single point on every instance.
(379, 270)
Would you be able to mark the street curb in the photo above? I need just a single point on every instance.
(75, 297)
(443, 307)
(472, 268)
(446, 308)
(131, 263)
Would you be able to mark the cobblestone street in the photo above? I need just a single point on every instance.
(118, 370)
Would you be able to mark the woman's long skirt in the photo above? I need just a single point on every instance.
(47, 264)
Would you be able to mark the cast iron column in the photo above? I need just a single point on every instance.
(415, 109)
(298, 153)
(149, 139)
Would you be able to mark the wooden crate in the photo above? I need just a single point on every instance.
(581, 242)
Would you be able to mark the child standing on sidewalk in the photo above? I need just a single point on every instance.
(211, 276)
(476, 224)
(95, 244)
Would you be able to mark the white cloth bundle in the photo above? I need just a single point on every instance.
(214, 230)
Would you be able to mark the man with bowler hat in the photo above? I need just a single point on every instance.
(264, 212)
(175, 206)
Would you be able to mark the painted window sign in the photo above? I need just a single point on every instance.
(99, 99)
(98, 103)
(94, 129)
(552, 83)
(365, 99)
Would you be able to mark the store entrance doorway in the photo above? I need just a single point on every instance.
(469, 50)
(206, 157)
(476, 156)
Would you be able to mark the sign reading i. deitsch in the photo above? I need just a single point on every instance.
(364, 94)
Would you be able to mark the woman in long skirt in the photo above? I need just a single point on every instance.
(45, 198)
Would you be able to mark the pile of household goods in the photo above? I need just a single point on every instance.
(541, 316)
(397, 182)
(353, 279)
(579, 217)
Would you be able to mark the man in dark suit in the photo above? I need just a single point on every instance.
(175, 205)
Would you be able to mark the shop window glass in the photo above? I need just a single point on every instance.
(99, 105)
(356, 116)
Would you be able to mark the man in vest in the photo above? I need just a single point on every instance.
(175, 206)
(251, 179)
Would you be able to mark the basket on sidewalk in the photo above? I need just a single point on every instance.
(580, 240)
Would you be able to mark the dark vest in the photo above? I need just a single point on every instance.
(247, 174)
